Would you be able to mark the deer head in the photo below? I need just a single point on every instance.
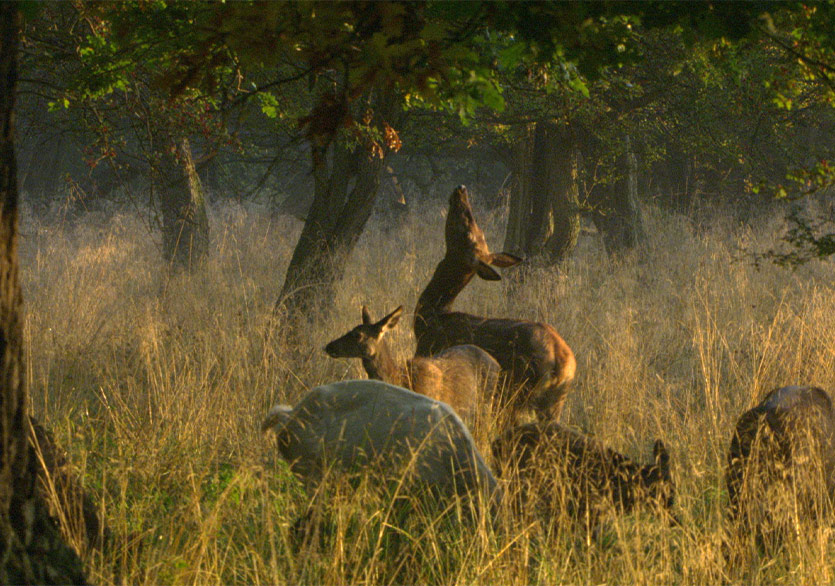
(465, 241)
(364, 340)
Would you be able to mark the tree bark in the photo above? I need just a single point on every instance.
(618, 214)
(515, 239)
(346, 178)
(345, 187)
(31, 548)
(544, 217)
(182, 203)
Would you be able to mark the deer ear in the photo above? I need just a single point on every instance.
(504, 259)
(390, 320)
(662, 457)
(484, 271)
(366, 317)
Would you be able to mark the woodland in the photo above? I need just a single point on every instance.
(198, 196)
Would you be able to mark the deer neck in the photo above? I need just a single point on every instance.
(447, 282)
(381, 366)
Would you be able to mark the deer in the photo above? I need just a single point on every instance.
(455, 376)
(417, 444)
(781, 465)
(556, 469)
(534, 356)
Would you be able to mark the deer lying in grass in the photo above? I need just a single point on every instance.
(781, 464)
(559, 470)
(457, 376)
(368, 426)
(536, 357)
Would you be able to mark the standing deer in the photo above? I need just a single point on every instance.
(454, 376)
(781, 464)
(536, 357)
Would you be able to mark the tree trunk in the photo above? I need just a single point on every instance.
(544, 217)
(345, 187)
(185, 224)
(618, 215)
(346, 178)
(31, 548)
(515, 238)
(561, 158)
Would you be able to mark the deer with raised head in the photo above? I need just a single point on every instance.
(556, 470)
(459, 376)
(537, 359)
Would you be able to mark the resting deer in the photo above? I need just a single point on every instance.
(557, 469)
(454, 376)
(781, 464)
(536, 357)
(365, 426)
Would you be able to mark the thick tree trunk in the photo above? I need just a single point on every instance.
(544, 217)
(182, 203)
(31, 548)
(519, 205)
(619, 214)
(346, 178)
(563, 216)
(345, 187)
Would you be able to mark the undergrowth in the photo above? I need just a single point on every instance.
(157, 386)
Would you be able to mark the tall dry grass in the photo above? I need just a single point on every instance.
(157, 387)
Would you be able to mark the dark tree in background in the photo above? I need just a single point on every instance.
(182, 205)
(544, 218)
(32, 550)
(614, 204)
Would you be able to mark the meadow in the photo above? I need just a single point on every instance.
(157, 386)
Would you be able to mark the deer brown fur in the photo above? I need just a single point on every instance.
(556, 469)
(462, 376)
(536, 357)
(781, 464)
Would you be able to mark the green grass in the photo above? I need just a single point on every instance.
(157, 388)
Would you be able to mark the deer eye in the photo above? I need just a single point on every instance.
(359, 338)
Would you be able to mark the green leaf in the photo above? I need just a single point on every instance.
(511, 56)
(579, 85)
(269, 104)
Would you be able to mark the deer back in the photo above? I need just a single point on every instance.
(462, 376)
(575, 473)
(785, 445)
(370, 427)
